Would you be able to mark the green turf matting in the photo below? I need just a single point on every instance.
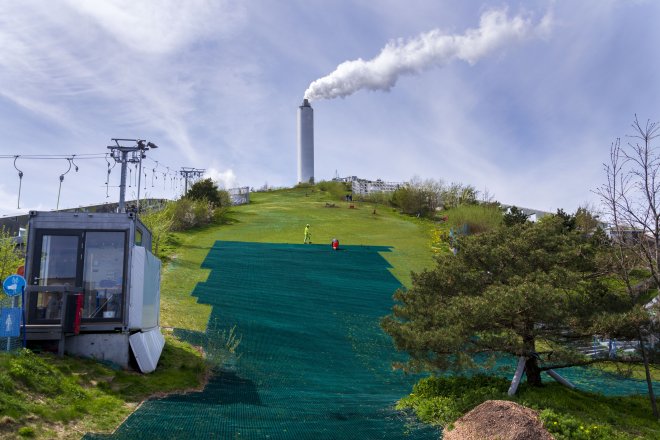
(313, 362)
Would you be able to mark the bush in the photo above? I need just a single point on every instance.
(337, 190)
(160, 224)
(565, 427)
(458, 194)
(186, 213)
(379, 198)
(442, 400)
(478, 218)
(208, 190)
(515, 216)
(225, 199)
(10, 258)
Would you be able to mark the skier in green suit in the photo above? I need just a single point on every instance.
(308, 236)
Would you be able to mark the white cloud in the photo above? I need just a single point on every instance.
(162, 26)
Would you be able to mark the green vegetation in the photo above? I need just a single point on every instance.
(44, 396)
(207, 190)
(503, 291)
(567, 414)
(423, 198)
(478, 218)
(10, 257)
(337, 190)
(514, 216)
(635, 371)
(204, 204)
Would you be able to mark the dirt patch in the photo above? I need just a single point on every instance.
(501, 420)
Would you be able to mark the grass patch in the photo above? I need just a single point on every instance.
(567, 414)
(635, 371)
(43, 396)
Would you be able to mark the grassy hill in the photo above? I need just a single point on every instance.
(280, 217)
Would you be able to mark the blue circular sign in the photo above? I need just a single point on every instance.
(14, 285)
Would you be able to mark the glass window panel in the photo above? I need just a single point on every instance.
(49, 305)
(59, 258)
(103, 275)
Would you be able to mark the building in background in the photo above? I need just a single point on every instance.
(364, 187)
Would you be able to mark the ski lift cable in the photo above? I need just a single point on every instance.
(153, 174)
(107, 177)
(20, 182)
(83, 156)
(70, 161)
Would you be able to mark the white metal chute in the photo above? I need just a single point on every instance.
(147, 348)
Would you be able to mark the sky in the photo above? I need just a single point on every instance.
(520, 99)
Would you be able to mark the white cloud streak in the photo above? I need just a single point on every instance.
(431, 49)
(59, 62)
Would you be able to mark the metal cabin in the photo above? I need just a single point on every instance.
(93, 286)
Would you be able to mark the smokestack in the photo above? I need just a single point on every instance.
(305, 143)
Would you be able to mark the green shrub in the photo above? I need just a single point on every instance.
(441, 400)
(478, 218)
(565, 427)
(414, 200)
(10, 258)
(337, 190)
(186, 213)
(457, 194)
(379, 198)
(207, 189)
(160, 224)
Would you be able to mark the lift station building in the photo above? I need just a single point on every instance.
(93, 287)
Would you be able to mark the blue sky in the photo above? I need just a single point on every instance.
(216, 85)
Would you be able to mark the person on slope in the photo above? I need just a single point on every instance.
(308, 236)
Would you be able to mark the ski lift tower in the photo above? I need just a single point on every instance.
(187, 173)
(125, 155)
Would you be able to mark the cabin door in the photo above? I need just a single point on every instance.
(56, 267)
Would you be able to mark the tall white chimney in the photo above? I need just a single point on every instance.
(305, 143)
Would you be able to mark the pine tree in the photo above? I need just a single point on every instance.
(505, 290)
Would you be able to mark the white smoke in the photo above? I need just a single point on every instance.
(225, 179)
(428, 50)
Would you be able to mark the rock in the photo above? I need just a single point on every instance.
(501, 420)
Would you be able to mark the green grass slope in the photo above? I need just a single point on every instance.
(280, 217)
(46, 397)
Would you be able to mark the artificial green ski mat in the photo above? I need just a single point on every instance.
(312, 362)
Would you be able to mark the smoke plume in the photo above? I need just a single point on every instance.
(431, 49)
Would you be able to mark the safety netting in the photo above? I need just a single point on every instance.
(312, 362)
